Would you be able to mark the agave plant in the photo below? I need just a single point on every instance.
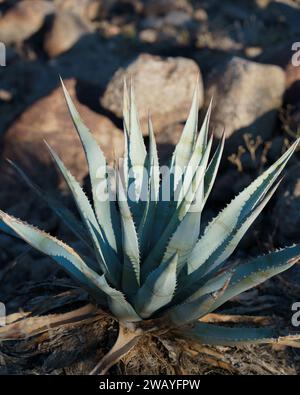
(150, 264)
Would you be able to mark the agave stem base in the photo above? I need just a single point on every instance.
(127, 338)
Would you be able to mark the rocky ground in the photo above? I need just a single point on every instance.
(243, 52)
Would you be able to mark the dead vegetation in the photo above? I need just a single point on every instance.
(72, 340)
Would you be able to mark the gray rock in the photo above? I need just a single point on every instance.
(246, 97)
(163, 86)
(56, 40)
(286, 213)
(23, 20)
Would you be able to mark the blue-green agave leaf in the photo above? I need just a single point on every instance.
(184, 239)
(106, 257)
(199, 304)
(183, 166)
(258, 270)
(136, 149)
(63, 254)
(222, 226)
(185, 145)
(158, 289)
(187, 233)
(154, 258)
(104, 208)
(136, 156)
(63, 212)
(230, 243)
(6, 229)
(153, 163)
(212, 169)
(225, 336)
(126, 105)
(117, 303)
(242, 228)
(198, 151)
(145, 227)
(201, 142)
(213, 285)
(189, 283)
(126, 116)
(131, 264)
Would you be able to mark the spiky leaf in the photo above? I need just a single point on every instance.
(185, 146)
(212, 169)
(222, 226)
(224, 336)
(63, 212)
(131, 263)
(200, 303)
(158, 289)
(258, 270)
(104, 208)
(56, 249)
(106, 257)
(156, 255)
(145, 227)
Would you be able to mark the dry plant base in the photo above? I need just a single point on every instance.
(75, 342)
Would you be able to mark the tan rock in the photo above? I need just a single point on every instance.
(287, 58)
(246, 97)
(48, 119)
(23, 20)
(163, 86)
(77, 7)
(66, 29)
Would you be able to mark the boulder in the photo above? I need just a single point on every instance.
(246, 97)
(23, 20)
(78, 7)
(163, 86)
(57, 41)
(287, 58)
(48, 119)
